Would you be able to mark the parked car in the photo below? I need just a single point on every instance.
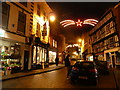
(102, 67)
(84, 70)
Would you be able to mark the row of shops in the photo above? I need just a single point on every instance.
(16, 55)
(112, 56)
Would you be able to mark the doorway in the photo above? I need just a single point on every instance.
(26, 59)
(113, 61)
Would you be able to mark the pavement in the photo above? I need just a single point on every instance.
(32, 72)
(116, 73)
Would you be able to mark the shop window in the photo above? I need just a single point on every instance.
(21, 23)
(38, 10)
(5, 14)
(52, 56)
(55, 44)
(34, 54)
(10, 57)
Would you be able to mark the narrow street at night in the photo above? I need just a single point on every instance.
(57, 79)
(55, 44)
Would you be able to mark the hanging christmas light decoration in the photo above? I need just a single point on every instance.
(79, 23)
(92, 22)
(66, 23)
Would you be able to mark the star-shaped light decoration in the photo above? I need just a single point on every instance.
(79, 23)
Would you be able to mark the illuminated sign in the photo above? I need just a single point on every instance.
(66, 23)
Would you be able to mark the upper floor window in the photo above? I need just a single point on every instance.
(108, 28)
(38, 30)
(21, 23)
(38, 9)
(54, 43)
(24, 3)
(5, 14)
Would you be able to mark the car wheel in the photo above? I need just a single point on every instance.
(73, 81)
(94, 81)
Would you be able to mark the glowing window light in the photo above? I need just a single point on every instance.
(40, 20)
(75, 53)
(2, 32)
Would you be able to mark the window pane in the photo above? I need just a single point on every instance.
(21, 23)
(5, 14)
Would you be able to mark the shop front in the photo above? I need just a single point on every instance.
(84, 54)
(89, 57)
(99, 56)
(52, 55)
(11, 52)
(40, 55)
(112, 56)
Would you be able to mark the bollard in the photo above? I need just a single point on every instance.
(43, 65)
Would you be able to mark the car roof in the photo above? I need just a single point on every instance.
(85, 61)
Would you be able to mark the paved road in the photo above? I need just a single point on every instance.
(56, 79)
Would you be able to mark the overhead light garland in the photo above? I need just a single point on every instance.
(66, 23)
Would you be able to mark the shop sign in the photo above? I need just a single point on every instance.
(2, 33)
(44, 33)
(100, 53)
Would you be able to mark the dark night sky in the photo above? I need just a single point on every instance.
(78, 10)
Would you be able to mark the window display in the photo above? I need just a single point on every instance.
(10, 56)
(39, 55)
(52, 56)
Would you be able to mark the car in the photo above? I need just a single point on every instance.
(84, 70)
(102, 67)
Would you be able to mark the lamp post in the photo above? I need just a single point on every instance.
(79, 47)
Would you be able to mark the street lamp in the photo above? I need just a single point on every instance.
(52, 17)
(79, 40)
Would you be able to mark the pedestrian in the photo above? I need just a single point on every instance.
(68, 65)
(57, 60)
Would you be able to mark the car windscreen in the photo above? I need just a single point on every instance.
(84, 65)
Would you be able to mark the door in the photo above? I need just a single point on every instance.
(26, 59)
(113, 61)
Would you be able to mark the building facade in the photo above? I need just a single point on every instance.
(86, 47)
(61, 48)
(44, 42)
(14, 29)
(105, 38)
(26, 39)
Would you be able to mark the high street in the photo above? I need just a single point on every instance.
(57, 79)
